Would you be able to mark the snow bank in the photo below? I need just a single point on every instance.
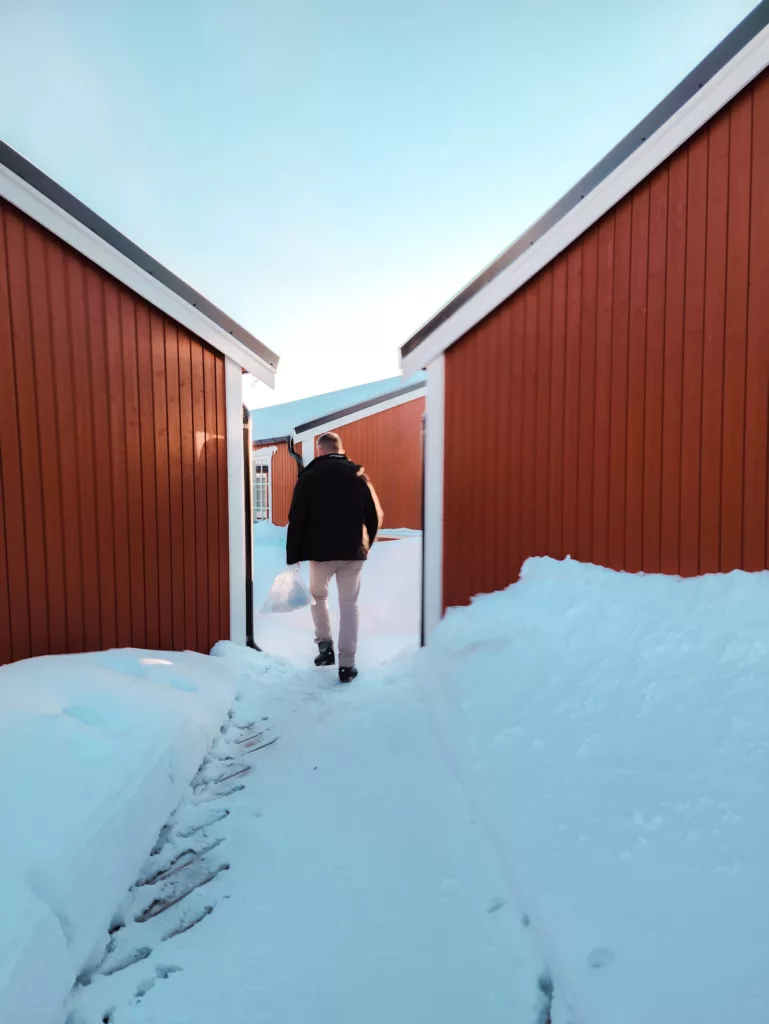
(612, 732)
(95, 752)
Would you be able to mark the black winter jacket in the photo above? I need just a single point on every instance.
(334, 513)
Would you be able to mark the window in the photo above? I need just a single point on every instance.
(261, 479)
(262, 483)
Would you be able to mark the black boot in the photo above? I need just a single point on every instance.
(325, 653)
(346, 675)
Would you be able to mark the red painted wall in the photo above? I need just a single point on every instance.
(615, 408)
(284, 472)
(388, 444)
(113, 473)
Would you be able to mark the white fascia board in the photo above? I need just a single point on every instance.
(264, 456)
(701, 108)
(62, 224)
(362, 414)
(236, 499)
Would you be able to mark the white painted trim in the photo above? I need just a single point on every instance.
(265, 451)
(233, 393)
(45, 212)
(266, 460)
(434, 455)
(308, 447)
(700, 109)
(361, 414)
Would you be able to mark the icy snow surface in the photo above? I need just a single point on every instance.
(612, 734)
(95, 752)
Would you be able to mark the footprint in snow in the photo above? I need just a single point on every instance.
(80, 714)
(188, 919)
(162, 971)
(599, 958)
(114, 965)
(205, 822)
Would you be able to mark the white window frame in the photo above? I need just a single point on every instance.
(263, 457)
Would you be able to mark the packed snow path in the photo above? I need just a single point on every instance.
(348, 883)
(359, 890)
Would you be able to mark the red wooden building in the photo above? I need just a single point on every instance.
(380, 425)
(602, 389)
(122, 507)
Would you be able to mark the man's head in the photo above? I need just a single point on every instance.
(330, 444)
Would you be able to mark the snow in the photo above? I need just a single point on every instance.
(351, 894)
(345, 878)
(612, 734)
(556, 809)
(280, 420)
(95, 752)
(403, 531)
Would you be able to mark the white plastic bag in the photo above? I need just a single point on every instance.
(288, 592)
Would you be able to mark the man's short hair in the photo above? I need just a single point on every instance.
(330, 441)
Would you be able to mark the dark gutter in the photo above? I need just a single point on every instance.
(33, 176)
(289, 443)
(718, 58)
(361, 406)
(298, 459)
(272, 440)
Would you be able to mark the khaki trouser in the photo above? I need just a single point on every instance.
(348, 584)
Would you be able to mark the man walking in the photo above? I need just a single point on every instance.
(332, 523)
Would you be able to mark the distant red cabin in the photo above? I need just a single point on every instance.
(381, 427)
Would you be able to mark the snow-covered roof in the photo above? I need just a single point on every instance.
(280, 420)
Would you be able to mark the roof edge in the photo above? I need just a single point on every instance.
(37, 180)
(270, 440)
(350, 410)
(716, 61)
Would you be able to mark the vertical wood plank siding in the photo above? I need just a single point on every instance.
(284, 472)
(388, 445)
(113, 475)
(615, 408)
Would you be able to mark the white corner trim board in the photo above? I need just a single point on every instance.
(362, 414)
(701, 108)
(307, 442)
(433, 515)
(60, 223)
(236, 499)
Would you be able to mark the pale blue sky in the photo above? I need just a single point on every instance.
(331, 172)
